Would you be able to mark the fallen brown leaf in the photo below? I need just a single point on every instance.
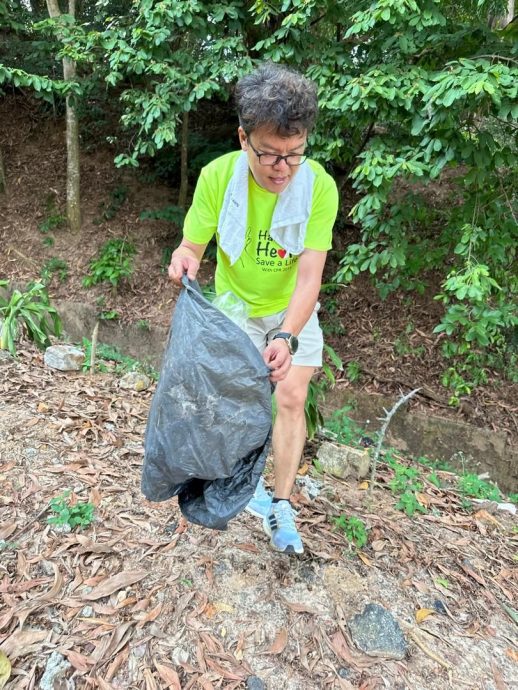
(279, 643)
(114, 583)
(168, 675)
(23, 642)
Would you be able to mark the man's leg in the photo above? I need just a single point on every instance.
(289, 434)
(289, 431)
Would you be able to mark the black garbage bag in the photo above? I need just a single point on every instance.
(209, 427)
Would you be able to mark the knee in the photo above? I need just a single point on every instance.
(291, 399)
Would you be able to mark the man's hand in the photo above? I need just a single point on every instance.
(183, 264)
(277, 357)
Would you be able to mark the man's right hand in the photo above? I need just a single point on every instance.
(183, 264)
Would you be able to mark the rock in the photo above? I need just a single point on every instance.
(376, 632)
(255, 683)
(87, 611)
(310, 488)
(54, 674)
(135, 381)
(5, 356)
(64, 357)
(343, 461)
(179, 656)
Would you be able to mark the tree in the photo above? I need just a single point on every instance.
(72, 130)
(410, 90)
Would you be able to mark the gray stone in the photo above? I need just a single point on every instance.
(343, 461)
(255, 683)
(376, 632)
(64, 357)
(5, 356)
(87, 611)
(55, 672)
(309, 487)
(135, 381)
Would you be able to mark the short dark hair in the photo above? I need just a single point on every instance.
(276, 96)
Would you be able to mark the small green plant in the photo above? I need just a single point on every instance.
(165, 259)
(143, 325)
(513, 498)
(109, 359)
(472, 485)
(28, 311)
(405, 479)
(434, 479)
(68, 512)
(171, 214)
(113, 263)
(48, 242)
(346, 430)
(353, 528)
(52, 222)
(443, 582)
(109, 315)
(54, 266)
(117, 198)
(353, 371)
(409, 504)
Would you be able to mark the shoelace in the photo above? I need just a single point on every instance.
(284, 514)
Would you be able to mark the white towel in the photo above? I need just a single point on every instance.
(290, 216)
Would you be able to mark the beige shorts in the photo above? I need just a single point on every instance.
(311, 341)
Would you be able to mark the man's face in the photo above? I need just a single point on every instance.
(275, 178)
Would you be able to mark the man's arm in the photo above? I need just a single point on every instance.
(186, 258)
(300, 308)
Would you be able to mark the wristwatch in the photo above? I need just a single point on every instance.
(291, 340)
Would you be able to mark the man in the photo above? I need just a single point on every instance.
(272, 210)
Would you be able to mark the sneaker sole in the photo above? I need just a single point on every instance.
(289, 550)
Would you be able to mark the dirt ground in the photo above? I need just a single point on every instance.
(141, 599)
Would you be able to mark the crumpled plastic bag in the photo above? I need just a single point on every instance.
(232, 306)
(209, 426)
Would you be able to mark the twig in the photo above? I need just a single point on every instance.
(381, 436)
(93, 349)
(413, 633)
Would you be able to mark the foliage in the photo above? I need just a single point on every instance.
(117, 198)
(346, 430)
(110, 360)
(28, 311)
(353, 528)
(409, 504)
(406, 483)
(317, 389)
(51, 222)
(171, 214)
(353, 371)
(471, 485)
(113, 263)
(54, 266)
(68, 512)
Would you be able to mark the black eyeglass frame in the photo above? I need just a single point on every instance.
(278, 157)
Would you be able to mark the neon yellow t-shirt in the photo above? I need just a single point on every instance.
(265, 274)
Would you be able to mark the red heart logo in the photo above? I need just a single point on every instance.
(281, 253)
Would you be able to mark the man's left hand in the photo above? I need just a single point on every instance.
(278, 359)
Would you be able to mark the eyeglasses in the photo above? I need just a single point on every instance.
(292, 159)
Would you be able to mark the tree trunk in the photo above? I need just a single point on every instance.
(72, 135)
(184, 152)
(503, 20)
(3, 182)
